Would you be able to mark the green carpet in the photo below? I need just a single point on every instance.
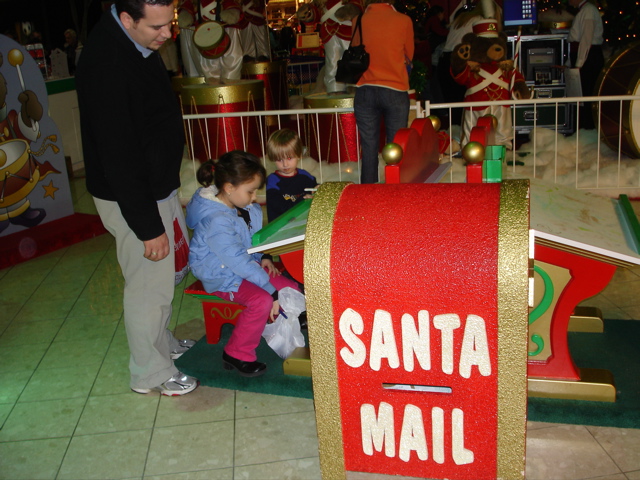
(616, 350)
(204, 361)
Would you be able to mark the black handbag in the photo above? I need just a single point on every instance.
(354, 61)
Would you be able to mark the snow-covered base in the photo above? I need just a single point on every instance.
(557, 161)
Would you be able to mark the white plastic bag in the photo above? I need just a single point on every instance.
(283, 335)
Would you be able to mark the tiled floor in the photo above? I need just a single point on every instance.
(66, 411)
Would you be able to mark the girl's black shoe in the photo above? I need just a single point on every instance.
(246, 369)
(302, 318)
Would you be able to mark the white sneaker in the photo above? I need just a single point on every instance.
(183, 346)
(179, 384)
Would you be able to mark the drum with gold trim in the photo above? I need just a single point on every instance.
(211, 137)
(621, 76)
(19, 173)
(211, 39)
(178, 82)
(274, 76)
(331, 137)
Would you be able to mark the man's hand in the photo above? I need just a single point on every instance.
(157, 248)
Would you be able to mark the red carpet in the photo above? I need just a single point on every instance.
(33, 242)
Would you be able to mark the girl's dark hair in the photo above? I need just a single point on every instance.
(235, 167)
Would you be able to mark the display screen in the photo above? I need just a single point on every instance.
(520, 12)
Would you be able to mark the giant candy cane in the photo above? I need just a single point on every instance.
(516, 54)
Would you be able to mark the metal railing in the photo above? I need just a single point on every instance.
(302, 74)
(584, 159)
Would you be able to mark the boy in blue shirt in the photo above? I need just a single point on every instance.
(286, 186)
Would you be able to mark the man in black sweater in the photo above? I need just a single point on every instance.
(133, 142)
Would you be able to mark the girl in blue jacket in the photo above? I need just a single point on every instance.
(223, 216)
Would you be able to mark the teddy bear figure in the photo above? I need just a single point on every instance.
(480, 63)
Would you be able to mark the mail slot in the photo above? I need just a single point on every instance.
(417, 304)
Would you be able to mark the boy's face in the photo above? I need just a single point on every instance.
(287, 166)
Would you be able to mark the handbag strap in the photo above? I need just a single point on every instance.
(358, 28)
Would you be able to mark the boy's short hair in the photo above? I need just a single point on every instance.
(284, 143)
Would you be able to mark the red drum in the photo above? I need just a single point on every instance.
(211, 39)
(274, 76)
(331, 137)
(19, 172)
(621, 76)
(211, 137)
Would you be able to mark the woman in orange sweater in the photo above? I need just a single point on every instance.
(382, 91)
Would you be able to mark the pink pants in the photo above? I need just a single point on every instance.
(250, 324)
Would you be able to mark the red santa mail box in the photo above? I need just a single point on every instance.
(417, 303)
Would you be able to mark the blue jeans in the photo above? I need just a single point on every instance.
(371, 104)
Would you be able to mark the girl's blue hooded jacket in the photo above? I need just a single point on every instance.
(218, 249)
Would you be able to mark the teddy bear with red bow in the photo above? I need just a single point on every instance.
(480, 63)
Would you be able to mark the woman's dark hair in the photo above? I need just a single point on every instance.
(135, 8)
(236, 167)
